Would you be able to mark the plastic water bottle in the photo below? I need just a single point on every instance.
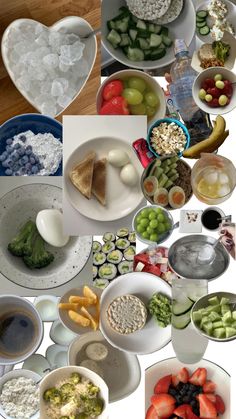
(183, 76)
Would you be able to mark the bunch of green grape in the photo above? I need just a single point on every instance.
(141, 100)
(152, 223)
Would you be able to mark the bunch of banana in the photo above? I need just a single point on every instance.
(212, 143)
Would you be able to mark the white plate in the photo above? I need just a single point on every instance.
(181, 28)
(121, 370)
(72, 24)
(231, 17)
(60, 334)
(121, 199)
(172, 366)
(152, 337)
(18, 206)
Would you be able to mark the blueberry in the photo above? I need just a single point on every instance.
(40, 166)
(36, 158)
(28, 152)
(8, 172)
(32, 160)
(16, 146)
(28, 172)
(29, 147)
(15, 156)
(2, 157)
(16, 167)
(21, 151)
(22, 138)
(9, 141)
(5, 163)
(10, 163)
(28, 166)
(22, 171)
(9, 149)
(24, 160)
(34, 169)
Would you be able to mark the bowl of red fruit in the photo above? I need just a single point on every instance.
(214, 90)
(131, 92)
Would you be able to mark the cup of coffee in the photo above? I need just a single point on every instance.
(212, 218)
(21, 329)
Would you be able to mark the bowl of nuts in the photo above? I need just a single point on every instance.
(167, 137)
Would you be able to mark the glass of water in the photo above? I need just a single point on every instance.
(189, 346)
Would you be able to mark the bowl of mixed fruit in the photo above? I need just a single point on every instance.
(131, 92)
(214, 90)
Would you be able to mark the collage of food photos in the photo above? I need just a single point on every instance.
(117, 209)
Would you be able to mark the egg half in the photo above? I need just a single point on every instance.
(49, 223)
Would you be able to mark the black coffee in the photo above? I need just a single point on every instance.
(211, 219)
(17, 333)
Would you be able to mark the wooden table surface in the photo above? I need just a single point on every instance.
(48, 12)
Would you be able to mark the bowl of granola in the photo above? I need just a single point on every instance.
(167, 137)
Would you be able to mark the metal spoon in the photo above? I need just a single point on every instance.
(90, 34)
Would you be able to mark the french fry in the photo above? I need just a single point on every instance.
(77, 318)
(89, 293)
(94, 323)
(97, 307)
(82, 301)
(69, 306)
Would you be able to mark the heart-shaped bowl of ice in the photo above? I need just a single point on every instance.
(49, 65)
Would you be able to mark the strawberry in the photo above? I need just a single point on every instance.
(162, 386)
(207, 408)
(219, 404)
(211, 397)
(151, 413)
(209, 387)
(116, 106)
(183, 411)
(175, 380)
(183, 375)
(112, 89)
(164, 404)
(192, 415)
(198, 378)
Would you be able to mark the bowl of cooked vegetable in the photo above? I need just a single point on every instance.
(73, 392)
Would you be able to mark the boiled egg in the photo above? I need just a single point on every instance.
(118, 158)
(50, 227)
(129, 175)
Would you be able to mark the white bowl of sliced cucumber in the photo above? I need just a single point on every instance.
(214, 316)
(140, 43)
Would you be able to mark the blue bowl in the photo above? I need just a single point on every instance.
(168, 120)
(37, 123)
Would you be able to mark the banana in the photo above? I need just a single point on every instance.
(211, 142)
(214, 146)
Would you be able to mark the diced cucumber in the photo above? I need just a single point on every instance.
(204, 320)
(233, 324)
(124, 12)
(135, 54)
(234, 315)
(169, 184)
(213, 316)
(141, 24)
(166, 40)
(230, 331)
(181, 322)
(143, 33)
(225, 308)
(157, 29)
(114, 38)
(201, 24)
(143, 43)
(122, 25)
(125, 50)
(227, 318)
(154, 166)
(111, 25)
(217, 325)
(125, 40)
(163, 179)
(216, 308)
(197, 316)
(183, 307)
(219, 333)
(158, 53)
(213, 301)
(204, 31)
(155, 40)
(208, 327)
(151, 27)
(174, 177)
(147, 54)
(158, 172)
(134, 18)
(164, 31)
(133, 34)
(202, 14)
(224, 301)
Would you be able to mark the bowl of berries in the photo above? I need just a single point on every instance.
(214, 90)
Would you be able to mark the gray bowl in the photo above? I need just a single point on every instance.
(202, 303)
(187, 268)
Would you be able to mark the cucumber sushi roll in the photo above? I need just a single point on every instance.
(97, 246)
(125, 267)
(122, 244)
(132, 237)
(101, 283)
(115, 257)
(129, 253)
(107, 271)
(99, 258)
(108, 247)
(108, 237)
(122, 232)
(95, 272)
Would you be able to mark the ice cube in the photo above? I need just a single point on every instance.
(48, 108)
(223, 178)
(51, 60)
(64, 82)
(211, 177)
(63, 67)
(23, 83)
(45, 86)
(57, 88)
(64, 101)
(42, 39)
(71, 38)
(44, 97)
(83, 68)
(55, 39)
(223, 190)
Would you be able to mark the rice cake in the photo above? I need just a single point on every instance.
(148, 9)
(172, 13)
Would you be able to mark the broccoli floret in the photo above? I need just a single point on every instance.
(81, 416)
(92, 390)
(52, 395)
(67, 391)
(75, 378)
(22, 243)
(39, 257)
(93, 406)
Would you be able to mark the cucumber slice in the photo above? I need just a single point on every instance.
(166, 40)
(204, 31)
(155, 40)
(158, 172)
(201, 24)
(158, 53)
(200, 19)
(133, 34)
(181, 308)
(125, 40)
(181, 322)
(141, 24)
(114, 38)
(135, 54)
(202, 14)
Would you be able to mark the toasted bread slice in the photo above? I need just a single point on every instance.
(82, 175)
(99, 180)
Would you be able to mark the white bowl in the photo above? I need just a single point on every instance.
(60, 374)
(56, 355)
(181, 28)
(151, 82)
(16, 374)
(38, 364)
(60, 334)
(210, 73)
(73, 24)
(47, 307)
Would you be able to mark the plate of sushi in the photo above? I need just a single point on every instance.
(113, 256)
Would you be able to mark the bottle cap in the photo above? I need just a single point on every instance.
(180, 46)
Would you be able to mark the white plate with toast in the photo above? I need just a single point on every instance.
(100, 182)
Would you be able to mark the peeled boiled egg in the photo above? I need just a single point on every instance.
(129, 175)
(118, 158)
(50, 227)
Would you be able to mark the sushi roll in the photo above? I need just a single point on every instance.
(108, 237)
(129, 253)
(132, 237)
(99, 258)
(101, 283)
(95, 272)
(115, 257)
(108, 247)
(122, 232)
(122, 244)
(96, 246)
(125, 267)
(107, 271)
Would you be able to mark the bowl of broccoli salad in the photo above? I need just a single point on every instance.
(73, 393)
